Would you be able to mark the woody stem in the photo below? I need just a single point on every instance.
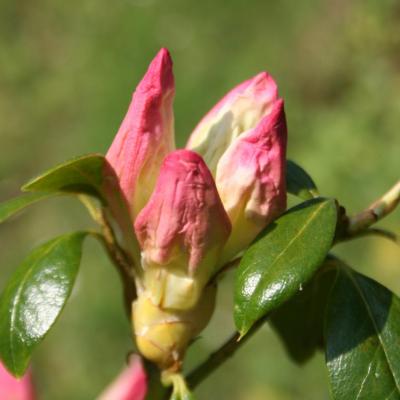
(226, 351)
(376, 211)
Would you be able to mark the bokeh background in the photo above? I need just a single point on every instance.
(67, 70)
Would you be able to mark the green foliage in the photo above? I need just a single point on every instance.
(362, 339)
(81, 175)
(67, 77)
(299, 182)
(13, 206)
(92, 175)
(300, 321)
(282, 259)
(35, 296)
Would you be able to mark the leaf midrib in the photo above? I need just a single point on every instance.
(308, 222)
(368, 309)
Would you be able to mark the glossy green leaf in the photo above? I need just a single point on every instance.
(282, 259)
(13, 206)
(35, 296)
(81, 175)
(91, 175)
(299, 182)
(362, 339)
(300, 321)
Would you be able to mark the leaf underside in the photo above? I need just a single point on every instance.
(299, 182)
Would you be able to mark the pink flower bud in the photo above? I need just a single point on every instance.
(182, 229)
(146, 135)
(251, 179)
(131, 384)
(239, 111)
(15, 389)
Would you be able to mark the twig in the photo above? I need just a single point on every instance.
(377, 232)
(226, 351)
(121, 260)
(375, 212)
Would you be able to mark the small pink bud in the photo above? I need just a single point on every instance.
(239, 111)
(131, 384)
(184, 213)
(146, 135)
(15, 389)
(251, 179)
(182, 229)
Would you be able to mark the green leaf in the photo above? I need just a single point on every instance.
(35, 296)
(299, 182)
(282, 259)
(13, 206)
(362, 339)
(300, 321)
(91, 175)
(81, 175)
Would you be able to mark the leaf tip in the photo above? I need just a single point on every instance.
(242, 333)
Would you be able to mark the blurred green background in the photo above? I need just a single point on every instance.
(67, 70)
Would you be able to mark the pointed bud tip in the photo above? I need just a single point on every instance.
(273, 123)
(159, 74)
(263, 82)
(146, 134)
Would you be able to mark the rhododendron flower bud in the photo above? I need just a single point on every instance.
(15, 389)
(146, 135)
(194, 209)
(131, 384)
(181, 230)
(240, 110)
(251, 179)
(243, 141)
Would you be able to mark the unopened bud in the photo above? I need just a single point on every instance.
(162, 335)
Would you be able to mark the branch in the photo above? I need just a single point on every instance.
(375, 212)
(226, 351)
(118, 256)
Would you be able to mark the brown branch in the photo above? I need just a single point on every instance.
(226, 351)
(375, 212)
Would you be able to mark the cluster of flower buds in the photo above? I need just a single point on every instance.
(197, 208)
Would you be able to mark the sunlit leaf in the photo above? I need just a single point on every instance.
(92, 175)
(35, 296)
(282, 259)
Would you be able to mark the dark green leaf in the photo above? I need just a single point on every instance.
(35, 296)
(362, 339)
(12, 206)
(299, 182)
(92, 175)
(300, 321)
(282, 259)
